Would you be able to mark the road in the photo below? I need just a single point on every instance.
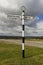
(35, 43)
(30, 43)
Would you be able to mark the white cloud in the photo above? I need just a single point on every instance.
(40, 25)
(3, 15)
(33, 7)
(2, 23)
(4, 3)
(41, 2)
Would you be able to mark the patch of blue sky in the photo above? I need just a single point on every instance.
(40, 16)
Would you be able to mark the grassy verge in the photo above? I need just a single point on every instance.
(33, 39)
(11, 54)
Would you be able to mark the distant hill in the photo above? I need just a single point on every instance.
(16, 37)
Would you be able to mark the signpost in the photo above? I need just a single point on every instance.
(23, 17)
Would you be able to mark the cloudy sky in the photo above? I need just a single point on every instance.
(12, 27)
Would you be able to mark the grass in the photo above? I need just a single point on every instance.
(30, 39)
(11, 54)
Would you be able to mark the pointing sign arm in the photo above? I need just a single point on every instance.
(14, 16)
(29, 17)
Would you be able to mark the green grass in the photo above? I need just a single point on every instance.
(30, 39)
(11, 54)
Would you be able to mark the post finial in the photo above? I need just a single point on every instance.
(23, 8)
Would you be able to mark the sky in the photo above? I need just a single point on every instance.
(12, 27)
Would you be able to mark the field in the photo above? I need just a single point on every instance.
(11, 54)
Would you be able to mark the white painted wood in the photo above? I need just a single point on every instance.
(22, 46)
(22, 33)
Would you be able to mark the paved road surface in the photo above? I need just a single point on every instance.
(35, 43)
(30, 43)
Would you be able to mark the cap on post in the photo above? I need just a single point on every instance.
(23, 8)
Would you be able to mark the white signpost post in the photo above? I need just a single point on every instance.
(23, 17)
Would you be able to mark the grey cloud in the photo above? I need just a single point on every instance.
(33, 7)
(11, 27)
